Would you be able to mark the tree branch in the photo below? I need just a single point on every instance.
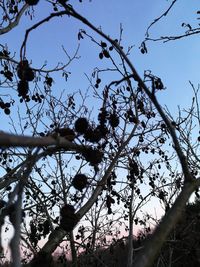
(160, 17)
(15, 22)
(152, 246)
(142, 85)
(52, 15)
(11, 140)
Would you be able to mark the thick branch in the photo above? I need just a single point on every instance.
(59, 233)
(152, 247)
(15, 22)
(55, 238)
(11, 140)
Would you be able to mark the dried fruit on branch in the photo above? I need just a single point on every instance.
(93, 156)
(80, 181)
(81, 125)
(32, 2)
(114, 120)
(93, 135)
(23, 88)
(24, 72)
(68, 218)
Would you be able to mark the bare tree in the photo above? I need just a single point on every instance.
(62, 158)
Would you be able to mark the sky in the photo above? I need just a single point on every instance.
(174, 62)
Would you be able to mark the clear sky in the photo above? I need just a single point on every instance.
(175, 62)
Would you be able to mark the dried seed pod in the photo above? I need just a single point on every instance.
(68, 217)
(32, 2)
(22, 66)
(81, 125)
(158, 84)
(80, 181)
(24, 72)
(48, 81)
(23, 88)
(7, 111)
(109, 202)
(102, 117)
(106, 53)
(114, 120)
(29, 75)
(93, 135)
(134, 168)
(93, 156)
(9, 75)
(103, 130)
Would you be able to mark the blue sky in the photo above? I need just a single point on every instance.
(175, 62)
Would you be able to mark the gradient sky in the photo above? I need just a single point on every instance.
(174, 62)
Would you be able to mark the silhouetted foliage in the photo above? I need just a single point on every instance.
(78, 167)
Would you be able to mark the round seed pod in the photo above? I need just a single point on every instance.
(114, 120)
(24, 72)
(7, 111)
(81, 125)
(93, 135)
(68, 217)
(80, 181)
(22, 88)
(93, 156)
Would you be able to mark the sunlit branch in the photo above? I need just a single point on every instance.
(14, 23)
